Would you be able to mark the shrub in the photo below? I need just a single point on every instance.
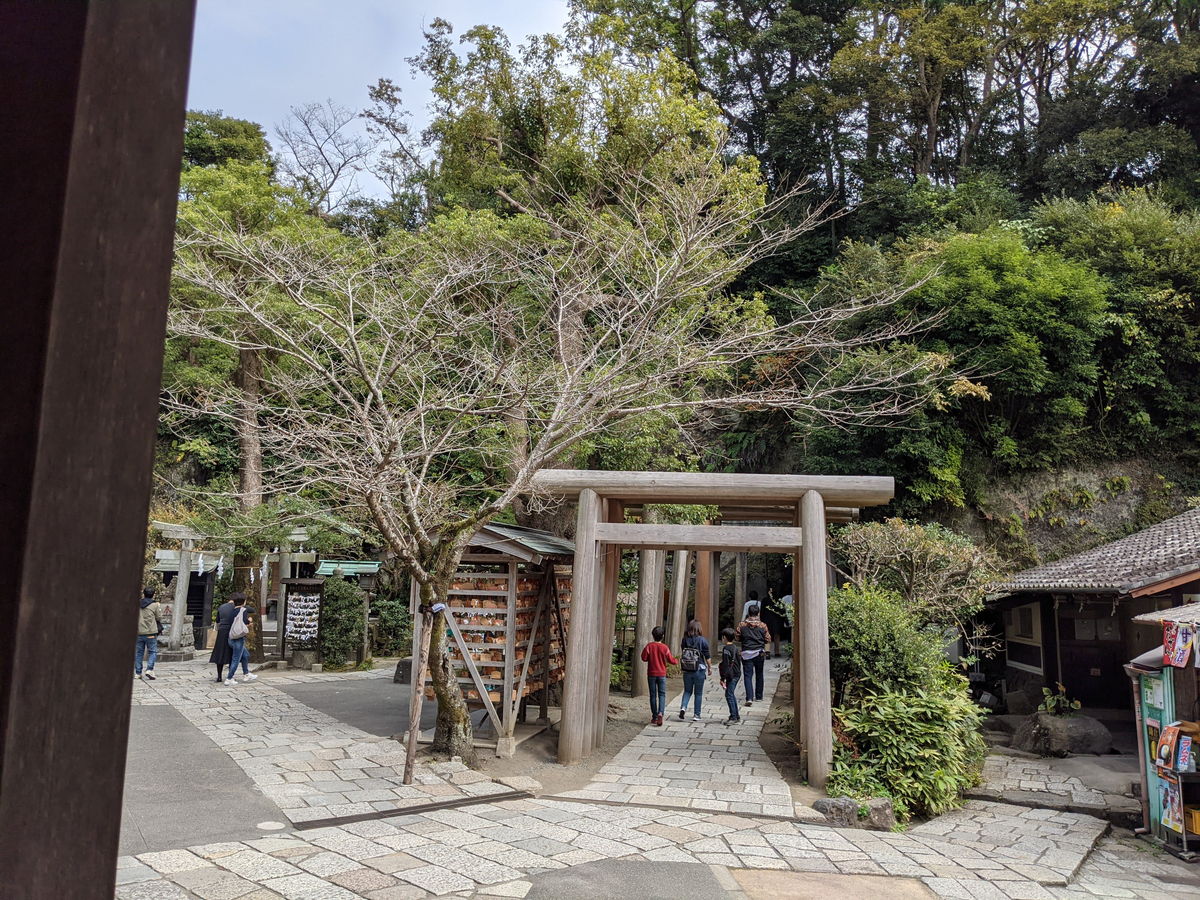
(395, 626)
(908, 729)
(919, 746)
(341, 621)
(876, 641)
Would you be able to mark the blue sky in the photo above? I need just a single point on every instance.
(254, 59)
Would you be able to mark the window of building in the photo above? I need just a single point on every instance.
(1023, 632)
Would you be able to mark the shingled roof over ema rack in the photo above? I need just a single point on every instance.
(1135, 564)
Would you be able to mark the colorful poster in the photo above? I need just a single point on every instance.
(1171, 801)
(1165, 758)
(1153, 729)
(1177, 643)
(1183, 756)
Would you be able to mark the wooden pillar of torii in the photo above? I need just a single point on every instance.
(804, 503)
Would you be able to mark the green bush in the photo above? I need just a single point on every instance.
(395, 626)
(908, 727)
(919, 746)
(875, 641)
(341, 622)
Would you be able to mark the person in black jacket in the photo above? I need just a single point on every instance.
(754, 637)
(730, 670)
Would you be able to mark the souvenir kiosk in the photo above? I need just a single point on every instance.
(1167, 711)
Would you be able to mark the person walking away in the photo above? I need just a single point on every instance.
(778, 612)
(239, 628)
(754, 637)
(730, 671)
(222, 652)
(656, 655)
(149, 628)
(694, 654)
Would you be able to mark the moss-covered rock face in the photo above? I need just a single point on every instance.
(1040, 517)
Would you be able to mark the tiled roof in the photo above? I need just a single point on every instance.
(1162, 551)
(349, 566)
(540, 542)
(1189, 612)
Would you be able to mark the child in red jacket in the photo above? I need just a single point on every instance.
(656, 655)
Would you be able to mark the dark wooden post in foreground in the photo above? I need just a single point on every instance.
(92, 99)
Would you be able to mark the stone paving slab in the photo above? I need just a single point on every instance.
(310, 765)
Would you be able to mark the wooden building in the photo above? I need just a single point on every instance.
(1073, 620)
(509, 611)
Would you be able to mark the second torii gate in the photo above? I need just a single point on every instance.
(804, 502)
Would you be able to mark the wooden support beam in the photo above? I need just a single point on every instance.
(786, 513)
(814, 606)
(706, 488)
(739, 584)
(581, 677)
(703, 606)
(798, 650)
(610, 572)
(651, 565)
(680, 582)
(92, 97)
(714, 594)
(731, 538)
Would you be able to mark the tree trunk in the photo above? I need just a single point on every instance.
(454, 734)
(250, 485)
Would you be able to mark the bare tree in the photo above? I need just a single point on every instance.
(425, 382)
(322, 153)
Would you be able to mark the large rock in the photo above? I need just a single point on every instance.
(880, 814)
(841, 812)
(1048, 735)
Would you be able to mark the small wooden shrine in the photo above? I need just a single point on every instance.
(509, 611)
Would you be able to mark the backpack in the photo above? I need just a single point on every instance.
(238, 629)
(689, 659)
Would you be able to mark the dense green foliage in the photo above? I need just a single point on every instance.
(876, 641)
(1035, 164)
(920, 746)
(395, 625)
(908, 729)
(341, 622)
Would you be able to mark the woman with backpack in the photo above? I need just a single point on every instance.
(693, 660)
(233, 621)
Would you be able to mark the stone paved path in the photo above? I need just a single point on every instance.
(1014, 773)
(692, 776)
(701, 765)
(309, 764)
(500, 848)
(1044, 784)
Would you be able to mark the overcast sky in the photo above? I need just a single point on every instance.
(253, 59)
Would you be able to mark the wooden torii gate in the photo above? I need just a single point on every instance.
(806, 503)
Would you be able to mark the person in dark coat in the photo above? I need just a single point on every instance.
(774, 617)
(222, 653)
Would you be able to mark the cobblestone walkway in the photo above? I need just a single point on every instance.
(701, 765)
(1040, 784)
(692, 793)
(500, 849)
(309, 764)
